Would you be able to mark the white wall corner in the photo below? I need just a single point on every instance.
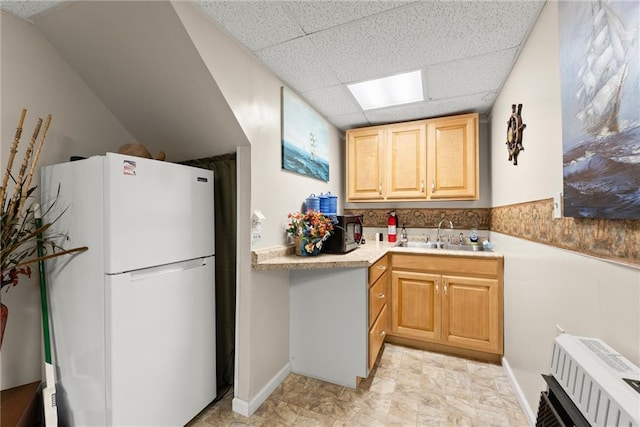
(528, 412)
(242, 407)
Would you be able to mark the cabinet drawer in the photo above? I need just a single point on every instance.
(378, 269)
(471, 266)
(376, 336)
(377, 298)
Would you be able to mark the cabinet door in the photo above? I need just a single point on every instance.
(415, 306)
(452, 149)
(472, 313)
(365, 157)
(406, 161)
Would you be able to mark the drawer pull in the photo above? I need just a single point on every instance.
(381, 295)
(382, 267)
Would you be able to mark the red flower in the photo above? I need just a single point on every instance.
(14, 272)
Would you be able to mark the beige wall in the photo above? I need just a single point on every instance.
(253, 93)
(36, 78)
(545, 286)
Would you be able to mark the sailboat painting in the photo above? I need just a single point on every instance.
(305, 138)
(600, 83)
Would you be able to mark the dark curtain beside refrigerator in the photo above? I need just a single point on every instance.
(225, 187)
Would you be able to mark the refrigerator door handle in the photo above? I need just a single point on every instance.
(146, 273)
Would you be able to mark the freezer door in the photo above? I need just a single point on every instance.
(160, 344)
(155, 213)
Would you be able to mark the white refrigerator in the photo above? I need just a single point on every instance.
(132, 318)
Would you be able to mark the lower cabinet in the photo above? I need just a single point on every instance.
(453, 301)
(471, 313)
(378, 317)
(415, 303)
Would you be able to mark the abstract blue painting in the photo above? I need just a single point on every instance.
(600, 80)
(305, 138)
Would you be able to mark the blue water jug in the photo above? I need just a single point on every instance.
(312, 202)
(324, 203)
(333, 204)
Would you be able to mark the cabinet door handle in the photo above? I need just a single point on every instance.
(382, 333)
(446, 285)
(433, 186)
(422, 186)
(437, 287)
(381, 295)
(380, 189)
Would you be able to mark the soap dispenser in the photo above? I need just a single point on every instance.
(403, 234)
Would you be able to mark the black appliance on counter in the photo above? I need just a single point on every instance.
(347, 234)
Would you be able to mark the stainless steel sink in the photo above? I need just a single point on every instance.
(434, 245)
(472, 248)
(420, 245)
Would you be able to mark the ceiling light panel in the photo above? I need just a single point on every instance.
(388, 91)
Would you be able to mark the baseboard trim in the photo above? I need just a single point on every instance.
(528, 412)
(247, 408)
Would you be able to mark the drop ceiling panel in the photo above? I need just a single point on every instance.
(256, 24)
(316, 16)
(332, 101)
(480, 74)
(297, 63)
(409, 38)
(348, 121)
(372, 48)
(28, 9)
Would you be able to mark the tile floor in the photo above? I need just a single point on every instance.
(408, 387)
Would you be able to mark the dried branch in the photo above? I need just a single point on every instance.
(19, 229)
(54, 255)
(17, 193)
(34, 162)
(14, 150)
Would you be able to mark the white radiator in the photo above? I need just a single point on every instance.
(602, 383)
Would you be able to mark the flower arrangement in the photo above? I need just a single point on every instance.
(19, 230)
(311, 229)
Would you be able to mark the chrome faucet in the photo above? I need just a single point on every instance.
(438, 241)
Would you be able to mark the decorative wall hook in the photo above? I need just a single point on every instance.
(515, 128)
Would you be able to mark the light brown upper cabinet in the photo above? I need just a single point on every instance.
(422, 160)
(406, 161)
(387, 162)
(365, 164)
(452, 151)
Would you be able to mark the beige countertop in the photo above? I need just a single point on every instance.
(283, 257)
